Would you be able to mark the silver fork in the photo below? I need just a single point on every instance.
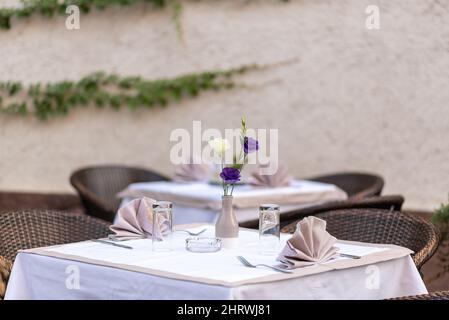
(193, 234)
(250, 265)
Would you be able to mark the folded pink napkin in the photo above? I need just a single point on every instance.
(135, 220)
(193, 172)
(279, 179)
(310, 244)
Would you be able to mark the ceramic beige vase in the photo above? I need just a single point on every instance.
(227, 227)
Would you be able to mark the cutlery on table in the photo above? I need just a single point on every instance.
(112, 243)
(113, 237)
(250, 265)
(194, 234)
(351, 256)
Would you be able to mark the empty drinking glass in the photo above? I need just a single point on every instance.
(269, 229)
(162, 226)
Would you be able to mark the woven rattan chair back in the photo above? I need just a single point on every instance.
(441, 295)
(356, 185)
(391, 203)
(30, 229)
(382, 226)
(98, 187)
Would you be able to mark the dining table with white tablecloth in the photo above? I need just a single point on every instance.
(93, 270)
(200, 202)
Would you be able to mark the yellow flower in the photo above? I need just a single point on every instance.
(219, 145)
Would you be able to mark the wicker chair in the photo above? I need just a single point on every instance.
(15, 201)
(356, 185)
(382, 226)
(98, 187)
(31, 229)
(442, 295)
(392, 203)
(5, 270)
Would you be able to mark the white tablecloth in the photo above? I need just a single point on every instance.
(36, 276)
(183, 214)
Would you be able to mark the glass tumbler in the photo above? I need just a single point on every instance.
(269, 229)
(162, 226)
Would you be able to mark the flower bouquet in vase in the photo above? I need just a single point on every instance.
(227, 227)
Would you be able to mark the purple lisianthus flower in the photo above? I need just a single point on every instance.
(250, 145)
(230, 175)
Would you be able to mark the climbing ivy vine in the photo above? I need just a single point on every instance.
(108, 90)
(49, 8)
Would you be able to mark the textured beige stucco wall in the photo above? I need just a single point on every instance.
(356, 99)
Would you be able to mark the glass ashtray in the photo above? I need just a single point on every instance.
(198, 244)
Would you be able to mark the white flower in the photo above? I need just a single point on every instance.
(219, 145)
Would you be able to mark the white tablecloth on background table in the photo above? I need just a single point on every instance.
(36, 276)
(185, 214)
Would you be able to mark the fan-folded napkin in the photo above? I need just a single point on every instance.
(280, 178)
(310, 244)
(191, 172)
(135, 220)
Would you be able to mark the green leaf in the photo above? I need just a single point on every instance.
(441, 215)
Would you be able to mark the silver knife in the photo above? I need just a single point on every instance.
(112, 243)
(345, 255)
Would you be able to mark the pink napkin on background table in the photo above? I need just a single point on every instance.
(279, 179)
(192, 172)
(135, 220)
(309, 245)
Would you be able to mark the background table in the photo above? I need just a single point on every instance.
(307, 193)
(35, 276)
